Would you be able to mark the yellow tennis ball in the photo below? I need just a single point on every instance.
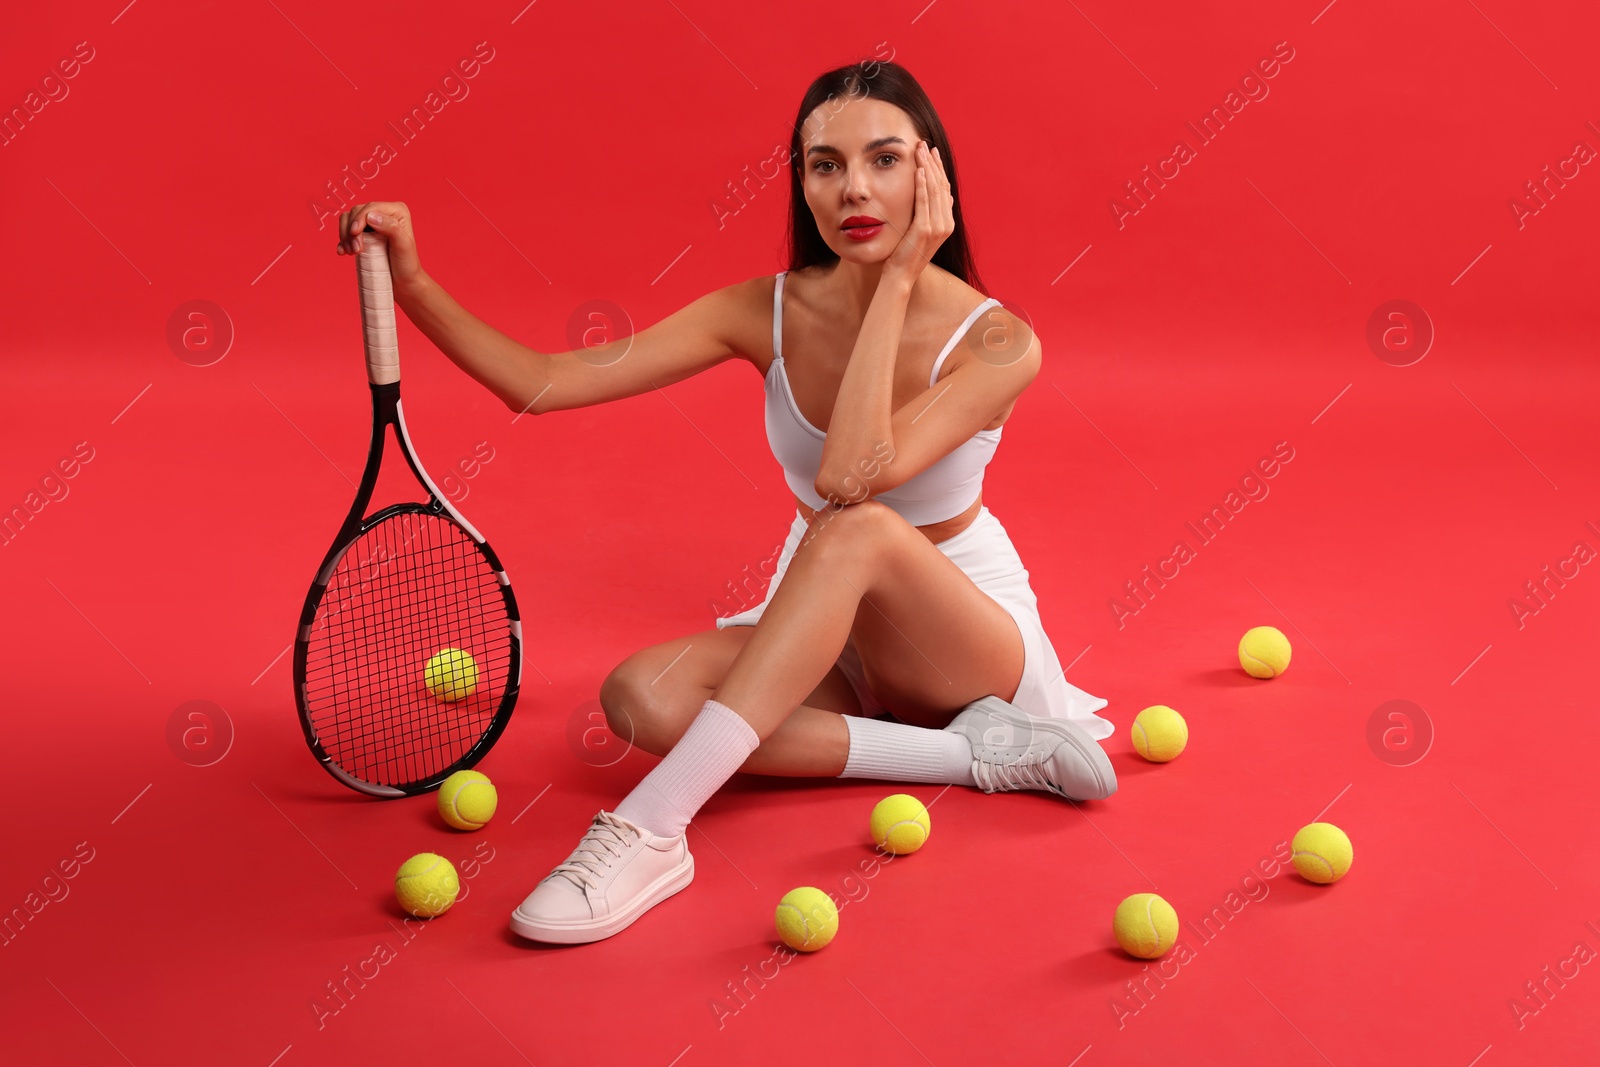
(1322, 852)
(900, 824)
(1145, 926)
(806, 918)
(426, 885)
(1159, 733)
(467, 800)
(451, 674)
(1264, 652)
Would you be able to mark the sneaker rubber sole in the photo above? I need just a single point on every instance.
(583, 931)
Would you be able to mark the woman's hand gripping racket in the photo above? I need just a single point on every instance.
(409, 654)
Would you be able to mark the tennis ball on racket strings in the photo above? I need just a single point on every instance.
(807, 918)
(900, 824)
(1145, 926)
(452, 674)
(1322, 852)
(1264, 652)
(426, 885)
(1159, 733)
(467, 800)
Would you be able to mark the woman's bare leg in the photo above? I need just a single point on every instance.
(930, 640)
(652, 696)
(936, 641)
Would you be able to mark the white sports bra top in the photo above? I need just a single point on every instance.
(940, 492)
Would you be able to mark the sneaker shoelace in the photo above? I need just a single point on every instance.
(605, 838)
(1027, 773)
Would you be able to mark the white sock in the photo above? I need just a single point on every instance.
(898, 752)
(714, 746)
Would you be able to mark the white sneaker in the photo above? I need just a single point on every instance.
(1014, 750)
(618, 872)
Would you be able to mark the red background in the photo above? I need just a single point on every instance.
(584, 164)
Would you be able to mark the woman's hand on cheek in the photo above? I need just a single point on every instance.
(932, 218)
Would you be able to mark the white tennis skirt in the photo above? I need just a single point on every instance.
(984, 553)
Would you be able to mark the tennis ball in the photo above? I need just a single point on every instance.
(1159, 733)
(451, 674)
(806, 918)
(1264, 652)
(426, 885)
(1145, 926)
(467, 800)
(900, 824)
(1322, 852)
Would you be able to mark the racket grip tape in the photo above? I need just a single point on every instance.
(377, 309)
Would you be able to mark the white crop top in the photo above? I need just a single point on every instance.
(942, 491)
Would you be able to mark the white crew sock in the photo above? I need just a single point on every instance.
(716, 744)
(898, 752)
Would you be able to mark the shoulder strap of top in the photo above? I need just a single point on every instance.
(960, 332)
(777, 315)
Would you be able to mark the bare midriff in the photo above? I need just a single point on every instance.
(934, 531)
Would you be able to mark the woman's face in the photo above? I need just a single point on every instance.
(860, 164)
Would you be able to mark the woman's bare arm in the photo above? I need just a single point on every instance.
(690, 340)
(506, 367)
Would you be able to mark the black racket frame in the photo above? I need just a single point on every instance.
(386, 412)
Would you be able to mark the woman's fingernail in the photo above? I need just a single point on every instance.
(373, 216)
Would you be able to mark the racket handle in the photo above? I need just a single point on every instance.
(377, 309)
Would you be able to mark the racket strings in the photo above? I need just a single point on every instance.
(417, 617)
(408, 588)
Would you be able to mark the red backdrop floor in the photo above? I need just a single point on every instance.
(1387, 550)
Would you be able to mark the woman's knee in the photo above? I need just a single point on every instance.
(623, 701)
(852, 529)
(636, 711)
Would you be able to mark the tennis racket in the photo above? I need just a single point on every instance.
(408, 658)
